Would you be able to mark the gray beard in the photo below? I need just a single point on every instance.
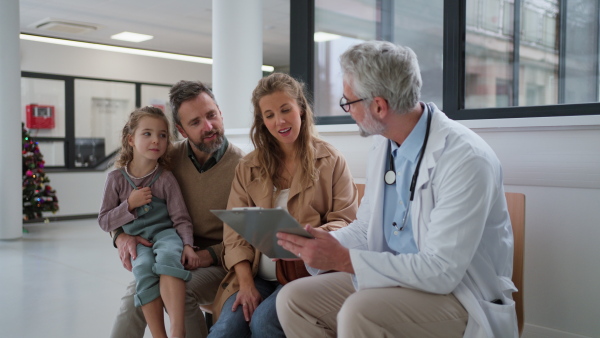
(211, 147)
(370, 126)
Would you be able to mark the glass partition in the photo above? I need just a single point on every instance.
(101, 111)
(43, 106)
(53, 151)
(158, 96)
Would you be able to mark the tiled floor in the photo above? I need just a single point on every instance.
(62, 279)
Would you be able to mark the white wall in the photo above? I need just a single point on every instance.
(555, 162)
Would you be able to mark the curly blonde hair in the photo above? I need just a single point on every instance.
(125, 154)
(268, 152)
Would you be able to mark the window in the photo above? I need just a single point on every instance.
(336, 29)
(101, 110)
(87, 116)
(403, 21)
(549, 67)
(43, 113)
(480, 59)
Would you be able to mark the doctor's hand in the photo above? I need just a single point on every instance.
(322, 252)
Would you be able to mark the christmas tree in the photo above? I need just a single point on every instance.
(37, 195)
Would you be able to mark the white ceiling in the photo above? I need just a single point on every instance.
(178, 26)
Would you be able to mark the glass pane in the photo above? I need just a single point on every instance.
(581, 67)
(357, 21)
(422, 31)
(548, 72)
(491, 15)
(54, 153)
(43, 106)
(488, 56)
(158, 96)
(538, 53)
(352, 23)
(101, 110)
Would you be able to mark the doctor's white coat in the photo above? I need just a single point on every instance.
(460, 225)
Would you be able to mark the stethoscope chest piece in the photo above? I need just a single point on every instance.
(390, 177)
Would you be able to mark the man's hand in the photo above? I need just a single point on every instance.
(127, 246)
(322, 252)
(139, 197)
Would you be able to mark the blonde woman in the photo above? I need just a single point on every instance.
(289, 168)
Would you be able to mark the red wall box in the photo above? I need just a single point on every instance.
(40, 116)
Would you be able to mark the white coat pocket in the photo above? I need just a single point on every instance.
(502, 318)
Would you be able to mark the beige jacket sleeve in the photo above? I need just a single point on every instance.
(235, 248)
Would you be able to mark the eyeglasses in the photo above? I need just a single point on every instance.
(345, 105)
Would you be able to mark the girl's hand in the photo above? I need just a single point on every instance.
(139, 197)
(189, 259)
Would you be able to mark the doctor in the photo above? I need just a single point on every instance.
(431, 251)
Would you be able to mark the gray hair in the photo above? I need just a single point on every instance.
(186, 90)
(381, 68)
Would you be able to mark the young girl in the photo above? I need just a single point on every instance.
(143, 197)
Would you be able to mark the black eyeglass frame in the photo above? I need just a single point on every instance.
(347, 104)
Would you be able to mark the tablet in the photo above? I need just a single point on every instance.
(258, 226)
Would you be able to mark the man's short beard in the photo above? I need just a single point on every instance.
(212, 146)
(370, 126)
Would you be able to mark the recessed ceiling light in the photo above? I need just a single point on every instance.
(132, 37)
(322, 36)
(65, 27)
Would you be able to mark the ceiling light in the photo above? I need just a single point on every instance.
(132, 37)
(65, 27)
(322, 36)
(126, 50)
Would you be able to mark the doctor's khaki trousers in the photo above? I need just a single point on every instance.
(329, 306)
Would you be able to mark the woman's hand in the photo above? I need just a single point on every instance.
(139, 197)
(189, 259)
(248, 297)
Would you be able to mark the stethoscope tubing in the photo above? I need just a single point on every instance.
(392, 169)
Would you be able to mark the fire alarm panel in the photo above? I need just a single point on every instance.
(40, 116)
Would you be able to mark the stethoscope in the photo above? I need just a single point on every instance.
(390, 174)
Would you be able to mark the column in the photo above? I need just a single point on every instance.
(237, 58)
(11, 216)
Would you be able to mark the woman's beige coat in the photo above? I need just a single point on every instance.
(330, 203)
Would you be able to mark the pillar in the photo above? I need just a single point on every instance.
(11, 216)
(237, 58)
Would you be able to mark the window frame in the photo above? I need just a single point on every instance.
(69, 139)
(302, 26)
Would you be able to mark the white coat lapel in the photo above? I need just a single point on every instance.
(422, 205)
(376, 186)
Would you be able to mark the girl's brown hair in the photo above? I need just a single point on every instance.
(125, 154)
(269, 154)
